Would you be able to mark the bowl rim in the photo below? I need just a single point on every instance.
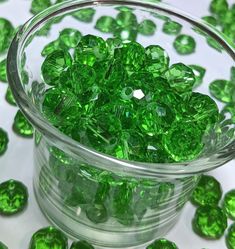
(67, 144)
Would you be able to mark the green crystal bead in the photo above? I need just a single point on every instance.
(126, 19)
(207, 192)
(2, 246)
(54, 64)
(13, 197)
(229, 204)
(97, 213)
(214, 44)
(81, 245)
(9, 97)
(106, 24)
(211, 20)
(3, 70)
(48, 238)
(171, 27)
(183, 141)
(162, 244)
(50, 48)
(219, 7)
(199, 73)
(6, 34)
(222, 90)
(3, 141)
(210, 222)
(147, 27)
(39, 5)
(184, 44)
(85, 15)
(70, 37)
(21, 125)
(127, 34)
(228, 17)
(230, 237)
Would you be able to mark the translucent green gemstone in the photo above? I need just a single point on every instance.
(210, 222)
(2, 246)
(184, 44)
(219, 7)
(48, 238)
(50, 47)
(106, 24)
(85, 15)
(13, 197)
(171, 27)
(147, 27)
(214, 44)
(199, 73)
(229, 204)
(181, 78)
(9, 97)
(70, 37)
(39, 5)
(3, 70)
(81, 245)
(21, 125)
(127, 34)
(230, 237)
(222, 90)
(3, 141)
(127, 19)
(207, 192)
(162, 244)
(228, 17)
(183, 141)
(6, 34)
(97, 213)
(211, 20)
(54, 64)
(157, 60)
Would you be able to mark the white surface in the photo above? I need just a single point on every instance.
(17, 162)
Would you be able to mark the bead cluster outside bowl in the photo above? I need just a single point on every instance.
(140, 201)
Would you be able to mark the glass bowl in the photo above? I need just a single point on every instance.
(93, 196)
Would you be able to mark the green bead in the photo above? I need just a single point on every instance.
(54, 64)
(211, 20)
(210, 222)
(3, 141)
(157, 60)
(184, 44)
(171, 27)
(222, 90)
(123, 8)
(106, 24)
(199, 73)
(2, 246)
(81, 245)
(207, 192)
(48, 238)
(6, 34)
(230, 237)
(229, 204)
(70, 37)
(183, 141)
(9, 97)
(162, 244)
(85, 15)
(126, 19)
(97, 213)
(13, 197)
(21, 125)
(39, 5)
(127, 34)
(214, 44)
(147, 27)
(218, 7)
(3, 70)
(50, 48)
(229, 31)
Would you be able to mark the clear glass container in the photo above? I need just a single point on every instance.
(92, 196)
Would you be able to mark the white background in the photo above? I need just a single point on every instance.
(17, 163)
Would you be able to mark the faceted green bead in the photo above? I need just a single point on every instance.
(157, 60)
(222, 90)
(147, 27)
(106, 24)
(199, 73)
(3, 70)
(181, 78)
(210, 222)
(229, 204)
(207, 192)
(81, 245)
(184, 44)
(127, 34)
(70, 37)
(2, 246)
(126, 19)
(97, 213)
(54, 64)
(219, 7)
(9, 97)
(48, 238)
(50, 48)
(85, 15)
(6, 34)
(214, 44)
(172, 27)
(3, 141)
(211, 20)
(39, 5)
(13, 197)
(230, 237)
(162, 244)
(21, 125)
(183, 141)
